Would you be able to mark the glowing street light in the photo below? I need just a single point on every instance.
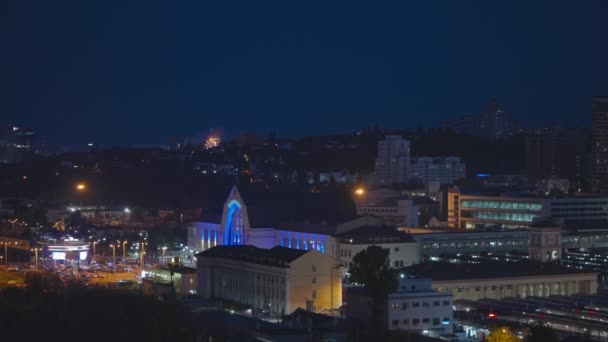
(80, 187)
(113, 253)
(94, 252)
(35, 250)
(124, 253)
(360, 192)
(164, 249)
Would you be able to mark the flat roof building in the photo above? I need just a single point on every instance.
(273, 281)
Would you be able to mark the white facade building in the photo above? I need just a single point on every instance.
(398, 211)
(417, 307)
(393, 164)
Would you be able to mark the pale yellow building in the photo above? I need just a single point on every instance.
(273, 281)
(498, 280)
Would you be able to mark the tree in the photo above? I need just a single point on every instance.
(502, 334)
(371, 267)
(541, 333)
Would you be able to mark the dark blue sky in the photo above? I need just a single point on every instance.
(129, 72)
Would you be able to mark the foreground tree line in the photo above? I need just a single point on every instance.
(47, 309)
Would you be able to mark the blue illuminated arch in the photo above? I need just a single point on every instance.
(233, 236)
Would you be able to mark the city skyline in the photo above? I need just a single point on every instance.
(86, 72)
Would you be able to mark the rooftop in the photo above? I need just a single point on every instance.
(276, 256)
(448, 271)
(378, 234)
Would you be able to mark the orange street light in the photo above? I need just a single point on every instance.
(360, 192)
(81, 187)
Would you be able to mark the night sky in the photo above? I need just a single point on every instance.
(153, 72)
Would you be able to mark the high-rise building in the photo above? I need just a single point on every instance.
(493, 123)
(599, 136)
(444, 170)
(16, 144)
(564, 154)
(393, 164)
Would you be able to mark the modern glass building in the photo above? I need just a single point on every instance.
(470, 211)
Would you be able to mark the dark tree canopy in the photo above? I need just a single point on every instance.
(371, 267)
(540, 333)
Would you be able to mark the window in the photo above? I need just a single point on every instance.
(406, 321)
(404, 306)
(314, 280)
(446, 302)
(425, 320)
(396, 249)
(436, 321)
(436, 303)
(314, 294)
(425, 304)
(416, 304)
(415, 321)
(395, 305)
(396, 264)
(395, 322)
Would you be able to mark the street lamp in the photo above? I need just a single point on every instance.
(360, 192)
(94, 252)
(5, 243)
(113, 254)
(141, 260)
(124, 252)
(164, 249)
(36, 255)
(80, 187)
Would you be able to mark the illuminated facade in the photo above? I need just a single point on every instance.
(235, 229)
(468, 211)
(273, 281)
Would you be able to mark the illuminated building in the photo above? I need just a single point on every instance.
(273, 281)
(393, 164)
(268, 220)
(158, 280)
(469, 211)
(415, 306)
(394, 210)
(16, 144)
(599, 136)
(69, 251)
(498, 280)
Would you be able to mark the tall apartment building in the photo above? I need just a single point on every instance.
(393, 164)
(599, 135)
(444, 170)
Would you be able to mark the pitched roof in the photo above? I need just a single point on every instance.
(276, 256)
(276, 208)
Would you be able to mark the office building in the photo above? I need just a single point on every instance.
(393, 164)
(469, 211)
(599, 136)
(273, 281)
(415, 306)
(444, 170)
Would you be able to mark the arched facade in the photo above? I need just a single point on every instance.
(234, 229)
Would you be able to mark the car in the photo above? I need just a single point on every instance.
(13, 269)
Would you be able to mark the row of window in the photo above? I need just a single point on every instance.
(436, 321)
(406, 305)
(521, 242)
(501, 205)
(378, 210)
